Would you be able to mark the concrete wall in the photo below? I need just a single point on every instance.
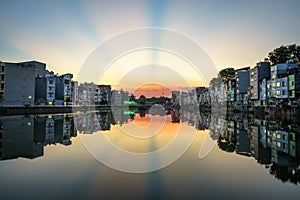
(19, 85)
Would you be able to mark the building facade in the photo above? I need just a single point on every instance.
(18, 82)
(242, 84)
(63, 89)
(45, 89)
(74, 92)
(257, 74)
(103, 94)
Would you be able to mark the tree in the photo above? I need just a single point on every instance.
(215, 83)
(227, 74)
(284, 53)
(132, 98)
(142, 100)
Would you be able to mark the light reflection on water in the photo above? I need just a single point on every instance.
(52, 162)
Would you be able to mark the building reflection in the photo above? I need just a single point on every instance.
(275, 145)
(26, 136)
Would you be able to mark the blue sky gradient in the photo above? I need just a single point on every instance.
(63, 33)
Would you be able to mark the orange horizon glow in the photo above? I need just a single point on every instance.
(152, 90)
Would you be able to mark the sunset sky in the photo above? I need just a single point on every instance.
(63, 34)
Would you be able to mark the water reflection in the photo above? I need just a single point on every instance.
(275, 145)
(26, 136)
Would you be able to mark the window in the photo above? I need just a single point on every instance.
(283, 145)
(283, 83)
(278, 136)
(292, 93)
(278, 92)
(283, 92)
(273, 76)
(278, 144)
(292, 83)
(278, 84)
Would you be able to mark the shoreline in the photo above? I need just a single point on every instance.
(14, 110)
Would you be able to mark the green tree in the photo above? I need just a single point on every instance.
(227, 74)
(284, 53)
(142, 100)
(132, 98)
(215, 82)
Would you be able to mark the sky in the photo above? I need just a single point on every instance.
(64, 33)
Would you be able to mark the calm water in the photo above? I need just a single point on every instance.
(57, 157)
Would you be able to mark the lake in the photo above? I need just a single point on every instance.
(146, 154)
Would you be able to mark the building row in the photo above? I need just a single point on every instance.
(184, 98)
(262, 85)
(29, 84)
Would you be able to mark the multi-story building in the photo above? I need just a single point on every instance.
(45, 89)
(62, 129)
(39, 67)
(218, 96)
(87, 94)
(243, 145)
(279, 83)
(104, 120)
(242, 84)
(2, 80)
(74, 92)
(199, 91)
(257, 74)
(263, 94)
(278, 142)
(294, 87)
(192, 97)
(63, 89)
(204, 97)
(183, 98)
(17, 83)
(103, 94)
(231, 90)
(118, 97)
(17, 138)
(175, 98)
